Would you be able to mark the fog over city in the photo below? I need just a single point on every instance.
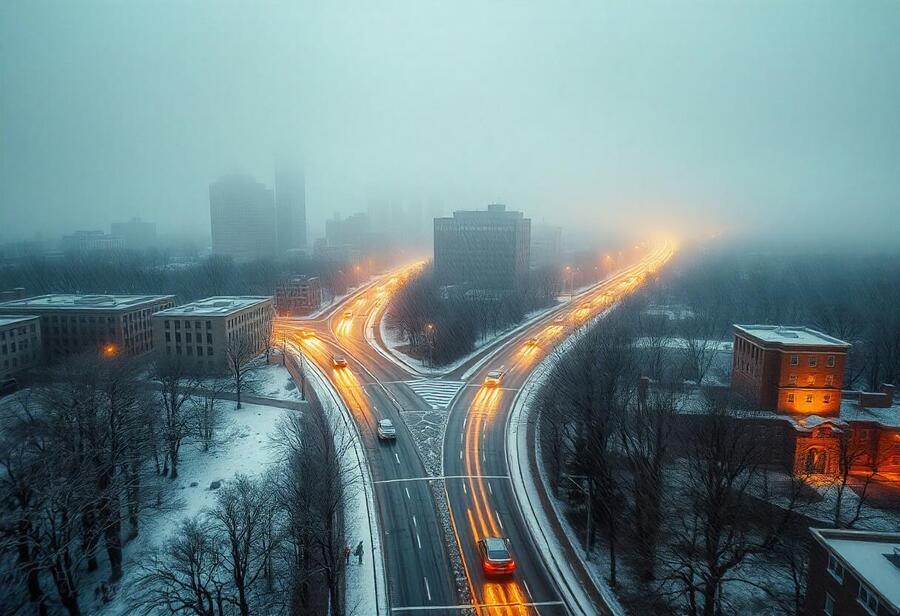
(769, 119)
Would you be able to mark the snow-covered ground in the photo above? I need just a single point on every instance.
(273, 381)
(245, 448)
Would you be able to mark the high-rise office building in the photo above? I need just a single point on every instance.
(290, 205)
(484, 249)
(242, 218)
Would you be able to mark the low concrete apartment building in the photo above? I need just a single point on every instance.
(199, 333)
(72, 323)
(20, 344)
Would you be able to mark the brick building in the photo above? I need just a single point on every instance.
(788, 369)
(75, 323)
(853, 573)
(298, 295)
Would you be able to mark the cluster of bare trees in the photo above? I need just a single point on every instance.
(851, 297)
(80, 454)
(272, 544)
(678, 504)
(444, 326)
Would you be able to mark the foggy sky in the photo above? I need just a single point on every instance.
(776, 117)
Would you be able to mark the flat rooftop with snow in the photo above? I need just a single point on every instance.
(788, 336)
(216, 306)
(74, 301)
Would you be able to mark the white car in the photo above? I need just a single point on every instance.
(386, 430)
(494, 378)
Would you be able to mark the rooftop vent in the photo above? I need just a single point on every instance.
(93, 300)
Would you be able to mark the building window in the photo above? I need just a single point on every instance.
(790, 398)
(809, 398)
(827, 399)
(168, 337)
(829, 380)
(810, 380)
(830, 361)
(209, 325)
(795, 360)
(813, 361)
(867, 598)
(835, 568)
(792, 379)
(208, 338)
(829, 605)
(177, 324)
(187, 324)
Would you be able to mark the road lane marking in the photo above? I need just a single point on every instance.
(419, 541)
(490, 489)
(465, 491)
(396, 457)
(408, 497)
(497, 515)
(442, 478)
(471, 606)
(414, 522)
(460, 455)
(527, 589)
(427, 588)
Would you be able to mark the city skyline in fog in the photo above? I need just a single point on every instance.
(766, 119)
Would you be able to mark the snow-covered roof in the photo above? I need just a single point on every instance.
(873, 557)
(6, 321)
(791, 335)
(73, 301)
(888, 417)
(216, 306)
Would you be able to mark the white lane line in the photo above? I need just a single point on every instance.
(460, 455)
(414, 522)
(470, 606)
(419, 541)
(396, 457)
(497, 515)
(527, 590)
(490, 489)
(483, 458)
(441, 478)
(408, 497)
(464, 489)
(427, 588)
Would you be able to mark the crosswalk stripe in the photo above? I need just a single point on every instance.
(438, 394)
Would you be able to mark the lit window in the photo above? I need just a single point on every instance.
(830, 361)
(829, 379)
(835, 568)
(809, 399)
(813, 361)
(810, 380)
(792, 379)
(795, 360)
(827, 398)
(867, 598)
(790, 398)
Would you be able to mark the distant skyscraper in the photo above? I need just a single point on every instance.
(290, 204)
(483, 249)
(242, 218)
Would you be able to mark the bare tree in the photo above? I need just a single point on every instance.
(240, 350)
(178, 384)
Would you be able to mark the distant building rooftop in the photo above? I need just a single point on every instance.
(788, 336)
(13, 319)
(216, 306)
(71, 301)
(874, 558)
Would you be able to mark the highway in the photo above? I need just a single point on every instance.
(470, 453)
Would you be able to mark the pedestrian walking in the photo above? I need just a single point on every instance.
(347, 554)
(359, 552)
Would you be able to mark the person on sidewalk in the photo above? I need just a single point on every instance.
(346, 554)
(359, 552)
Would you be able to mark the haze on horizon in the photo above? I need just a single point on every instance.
(767, 118)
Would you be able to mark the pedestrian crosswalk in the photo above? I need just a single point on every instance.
(437, 393)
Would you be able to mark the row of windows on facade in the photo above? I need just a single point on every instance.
(753, 367)
(14, 361)
(865, 595)
(22, 345)
(826, 399)
(187, 337)
(187, 324)
(813, 361)
(189, 350)
(811, 380)
(17, 331)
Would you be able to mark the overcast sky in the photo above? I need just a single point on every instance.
(775, 116)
